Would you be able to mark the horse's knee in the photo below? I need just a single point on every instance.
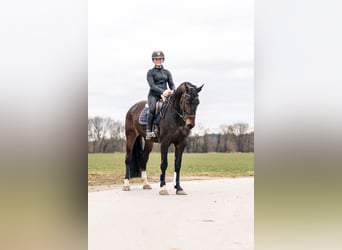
(163, 165)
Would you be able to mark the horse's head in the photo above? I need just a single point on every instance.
(188, 102)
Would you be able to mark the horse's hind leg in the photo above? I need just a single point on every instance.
(129, 154)
(147, 150)
(126, 186)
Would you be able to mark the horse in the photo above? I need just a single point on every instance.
(175, 126)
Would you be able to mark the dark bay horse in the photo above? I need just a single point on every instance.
(174, 128)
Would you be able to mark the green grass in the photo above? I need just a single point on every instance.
(110, 168)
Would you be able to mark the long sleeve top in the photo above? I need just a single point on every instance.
(158, 78)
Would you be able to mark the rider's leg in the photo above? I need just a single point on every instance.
(152, 106)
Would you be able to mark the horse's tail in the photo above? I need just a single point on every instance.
(137, 157)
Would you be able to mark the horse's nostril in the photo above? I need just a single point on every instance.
(190, 126)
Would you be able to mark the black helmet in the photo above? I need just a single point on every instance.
(158, 54)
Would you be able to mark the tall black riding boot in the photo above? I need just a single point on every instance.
(149, 132)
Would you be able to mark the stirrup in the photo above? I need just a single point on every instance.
(149, 135)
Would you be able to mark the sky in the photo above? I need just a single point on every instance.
(204, 42)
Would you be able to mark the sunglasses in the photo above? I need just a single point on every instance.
(157, 59)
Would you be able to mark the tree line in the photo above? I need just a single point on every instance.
(106, 135)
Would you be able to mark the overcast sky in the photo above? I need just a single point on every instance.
(204, 42)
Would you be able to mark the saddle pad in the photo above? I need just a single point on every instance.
(160, 110)
(143, 116)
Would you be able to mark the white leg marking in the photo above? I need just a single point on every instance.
(143, 175)
(126, 182)
(144, 178)
(126, 186)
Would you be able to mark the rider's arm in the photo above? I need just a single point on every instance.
(170, 81)
(153, 86)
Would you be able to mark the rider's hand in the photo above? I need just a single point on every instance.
(167, 92)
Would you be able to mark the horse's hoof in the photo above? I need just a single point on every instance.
(126, 188)
(163, 191)
(147, 186)
(181, 192)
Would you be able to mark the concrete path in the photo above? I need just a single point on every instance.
(216, 214)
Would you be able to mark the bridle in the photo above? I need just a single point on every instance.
(182, 114)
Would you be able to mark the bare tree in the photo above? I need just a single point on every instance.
(116, 129)
(240, 129)
(219, 136)
(116, 135)
(205, 146)
(227, 132)
(97, 130)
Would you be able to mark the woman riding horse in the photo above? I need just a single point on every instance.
(174, 128)
(157, 78)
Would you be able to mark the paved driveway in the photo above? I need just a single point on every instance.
(216, 214)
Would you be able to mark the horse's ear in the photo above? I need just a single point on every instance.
(199, 88)
(186, 87)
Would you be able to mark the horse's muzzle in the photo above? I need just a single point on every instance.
(190, 123)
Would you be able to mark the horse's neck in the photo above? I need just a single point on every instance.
(175, 110)
(175, 103)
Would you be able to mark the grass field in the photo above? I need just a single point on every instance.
(106, 169)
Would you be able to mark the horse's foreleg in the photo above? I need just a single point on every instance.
(178, 163)
(146, 184)
(163, 166)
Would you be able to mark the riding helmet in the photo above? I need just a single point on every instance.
(158, 54)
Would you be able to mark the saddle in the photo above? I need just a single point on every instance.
(159, 113)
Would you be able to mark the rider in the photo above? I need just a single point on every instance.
(157, 78)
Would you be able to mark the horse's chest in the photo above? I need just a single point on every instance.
(180, 134)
